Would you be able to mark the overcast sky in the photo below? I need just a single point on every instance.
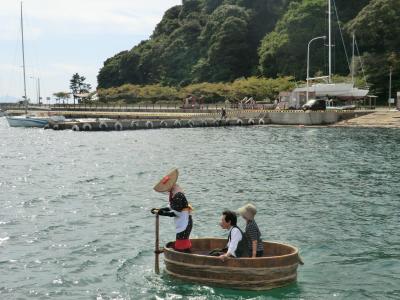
(63, 37)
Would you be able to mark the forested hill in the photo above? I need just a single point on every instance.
(221, 40)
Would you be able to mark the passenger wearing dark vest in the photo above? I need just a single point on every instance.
(237, 241)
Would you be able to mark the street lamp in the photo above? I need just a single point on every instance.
(308, 59)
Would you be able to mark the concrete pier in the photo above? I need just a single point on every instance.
(188, 120)
(127, 124)
(312, 118)
(378, 119)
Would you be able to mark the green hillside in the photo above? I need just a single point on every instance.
(222, 40)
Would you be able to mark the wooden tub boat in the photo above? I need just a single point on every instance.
(277, 268)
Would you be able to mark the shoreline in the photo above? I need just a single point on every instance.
(158, 119)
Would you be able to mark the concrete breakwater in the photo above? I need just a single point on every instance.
(118, 125)
(233, 118)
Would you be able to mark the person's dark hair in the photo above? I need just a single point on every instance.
(230, 216)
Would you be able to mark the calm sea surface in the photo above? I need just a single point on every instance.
(75, 221)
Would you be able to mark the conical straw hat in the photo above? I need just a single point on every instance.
(167, 182)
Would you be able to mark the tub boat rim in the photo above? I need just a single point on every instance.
(263, 258)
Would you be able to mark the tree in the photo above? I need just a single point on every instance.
(222, 40)
(109, 75)
(377, 27)
(211, 5)
(199, 40)
(61, 96)
(378, 37)
(74, 85)
(78, 85)
(225, 44)
(284, 50)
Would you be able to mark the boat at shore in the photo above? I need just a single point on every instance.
(329, 88)
(27, 121)
(277, 268)
(38, 120)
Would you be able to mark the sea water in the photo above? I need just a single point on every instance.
(75, 218)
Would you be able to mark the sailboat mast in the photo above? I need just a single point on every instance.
(330, 40)
(23, 59)
(352, 59)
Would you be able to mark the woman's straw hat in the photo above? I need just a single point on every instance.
(167, 182)
(248, 211)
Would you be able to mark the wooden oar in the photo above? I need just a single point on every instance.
(157, 248)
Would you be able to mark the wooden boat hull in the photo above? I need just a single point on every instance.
(276, 269)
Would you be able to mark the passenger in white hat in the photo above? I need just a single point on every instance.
(256, 247)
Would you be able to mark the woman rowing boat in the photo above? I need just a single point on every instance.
(178, 207)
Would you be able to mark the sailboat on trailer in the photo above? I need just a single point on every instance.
(26, 120)
(330, 89)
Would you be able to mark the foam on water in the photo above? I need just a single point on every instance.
(2, 240)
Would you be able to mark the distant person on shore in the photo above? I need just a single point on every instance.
(178, 207)
(255, 244)
(237, 241)
(202, 100)
(223, 113)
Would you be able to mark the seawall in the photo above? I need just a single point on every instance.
(134, 120)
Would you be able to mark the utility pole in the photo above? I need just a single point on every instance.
(39, 98)
(390, 87)
(352, 59)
